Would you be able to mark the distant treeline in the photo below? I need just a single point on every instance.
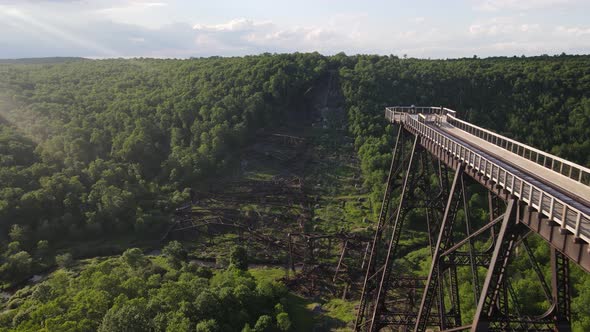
(49, 60)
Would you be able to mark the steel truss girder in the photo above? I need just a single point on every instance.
(487, 306)
(434, 284)
(561, 290)
(465, 259)
(374, 310)
(500, 319)
(370, 269)
(393, 242)
(565, 242)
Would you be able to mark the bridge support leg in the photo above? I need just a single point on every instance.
(493, 285)
(455, 313)
(495, 209)
(385, 270)
(435, 276)
(396, 160)
(561, 290)
(472, 265)
(435, 199)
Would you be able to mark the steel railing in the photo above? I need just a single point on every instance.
(422, 109)
(561, 166)
(564, 214)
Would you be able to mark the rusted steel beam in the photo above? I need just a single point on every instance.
(578, 252)
(561, 291)
(393, 242)
(395, 159)
(435, 275)
(569, 244)
(472, 235)
(340, 260)
(505, 240)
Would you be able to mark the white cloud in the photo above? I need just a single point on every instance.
(497, 5)
(530, 27)
(503, 26)
(148, 13)
(153, 4)
(515, 35)
(261, 36)
(573, 31)
(126, 28)
(239, 24)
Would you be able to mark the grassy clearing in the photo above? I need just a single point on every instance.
(297, 306)
(340, 311)
(335, 177)
(309, 314)
(302, 317)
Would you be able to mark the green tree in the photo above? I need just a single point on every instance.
(581, 306)
(64, 261)
(17, 266)
(42, 249)
(13, 248)
(207, 304)
(17, 233)
(178, 323)
(42, 292)
(134, 258)
(283, 321)
(175, 253)
(131, 316)
(209, 325)
(263, 324)
(238, 257)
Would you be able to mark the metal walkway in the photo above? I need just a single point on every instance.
(561, 193)
(550, 182)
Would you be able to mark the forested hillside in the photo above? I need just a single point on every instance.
(95, 155)
(97, 149)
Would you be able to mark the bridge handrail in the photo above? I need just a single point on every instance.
(422, 109)
(559, 165)
(565, 215)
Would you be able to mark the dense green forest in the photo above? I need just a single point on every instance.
(104, 150)
(137, 293)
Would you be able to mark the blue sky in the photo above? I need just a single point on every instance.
(181, 29)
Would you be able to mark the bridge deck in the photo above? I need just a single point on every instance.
(571, 192)
(556, 196)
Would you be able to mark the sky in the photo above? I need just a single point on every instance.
(183, 28)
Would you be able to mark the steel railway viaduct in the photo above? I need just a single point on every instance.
(529, 192)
